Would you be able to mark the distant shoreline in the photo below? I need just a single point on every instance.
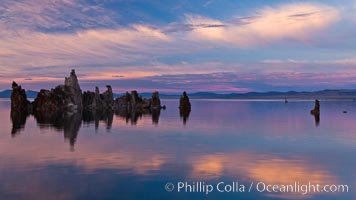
(242, 99)
(340, 94)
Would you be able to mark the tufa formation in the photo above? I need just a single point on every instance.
(184, 103)
(316, 110)
(69, 99)
(184, 107)
(19, 102)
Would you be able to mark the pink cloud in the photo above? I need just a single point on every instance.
(26, 49)
(297, 21)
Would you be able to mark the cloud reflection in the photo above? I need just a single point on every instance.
(266, 168)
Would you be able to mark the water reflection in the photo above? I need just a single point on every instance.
(132, 116)
(70, 123)
(184, 115)
(249, 142)
(18, 120)
(107, 117)
(259, 167)
(317, 119)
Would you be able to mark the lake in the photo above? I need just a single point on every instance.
(224, 149)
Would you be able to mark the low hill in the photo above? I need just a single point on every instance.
(7, 94)
(323, 94)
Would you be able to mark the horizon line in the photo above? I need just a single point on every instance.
(214, 92)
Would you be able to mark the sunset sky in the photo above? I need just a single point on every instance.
(171, 46)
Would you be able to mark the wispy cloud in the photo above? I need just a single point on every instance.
(298, 21)
(224, 82)
(344, 63)
(88, 47)
(53, 15)
(207, 3)
(233, 82)
(45, 39)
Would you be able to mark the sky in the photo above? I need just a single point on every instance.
(202, 45)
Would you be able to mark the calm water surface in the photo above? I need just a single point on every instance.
(120, 157)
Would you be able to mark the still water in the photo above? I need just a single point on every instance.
(134, 157)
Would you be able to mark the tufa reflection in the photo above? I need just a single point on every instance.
(184, 115)
(184, 107)
(70, 123)
(316, 112)
(66, 106)
(18, 120)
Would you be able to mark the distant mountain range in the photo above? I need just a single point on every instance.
(7, 94)
(323, 94)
